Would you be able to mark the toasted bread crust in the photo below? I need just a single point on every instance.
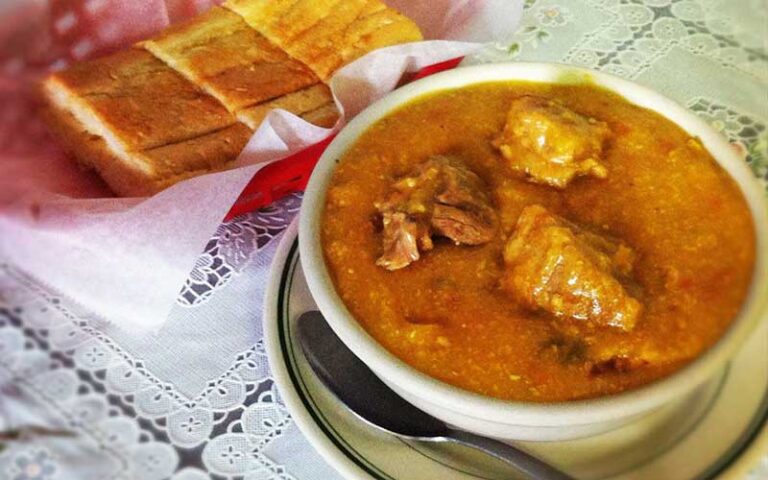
(326, 34)
(324, 116)
(147, 105)
(175, 162)
(91, 152)
(185, 102)
(300, 103)
(210, 152)
(234, 63)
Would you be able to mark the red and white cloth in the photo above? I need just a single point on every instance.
(62, 226)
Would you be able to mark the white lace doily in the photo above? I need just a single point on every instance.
(196, 401)
(100, 411)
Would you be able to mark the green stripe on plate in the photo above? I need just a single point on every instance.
(286, 345)
(286, 281)
(740, 446)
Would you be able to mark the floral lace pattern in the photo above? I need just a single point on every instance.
(748, 135)
(105, 395)
(649, 29)
(33, 465)
(638, 32)
(143, 426)
(231, 247)
(109, 415)
(544, 19)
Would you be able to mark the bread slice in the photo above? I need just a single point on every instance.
(185, 103)
(326, 34)
(139, 123)
(282, 20)
(306, 103)
(379, 29)
(231, 61)
(134, 101)
(325, 116)
(127, 174)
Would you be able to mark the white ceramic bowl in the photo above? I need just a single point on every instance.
(523, 420)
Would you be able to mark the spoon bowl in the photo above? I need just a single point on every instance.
(358, 388)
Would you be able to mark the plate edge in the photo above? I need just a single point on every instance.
(311, 431)
(737, 468)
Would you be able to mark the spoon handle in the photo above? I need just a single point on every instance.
(521, 461)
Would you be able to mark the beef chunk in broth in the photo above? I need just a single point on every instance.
(555, 266)
(440, 197)
(402, 236)
(550, 143)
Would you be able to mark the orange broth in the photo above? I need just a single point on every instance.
(445, 314)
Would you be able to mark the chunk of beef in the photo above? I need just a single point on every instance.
(550, 143)
(554, 266)
(460, 225)
(401, 238)
(442, 196)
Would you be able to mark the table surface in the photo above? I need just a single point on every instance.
(97, 402)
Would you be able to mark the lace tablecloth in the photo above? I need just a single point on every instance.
(196, 400)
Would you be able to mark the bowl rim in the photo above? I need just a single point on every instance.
(475, 405)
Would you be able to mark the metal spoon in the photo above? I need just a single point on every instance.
(371, 400)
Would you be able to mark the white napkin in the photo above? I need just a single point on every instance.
(126, 259)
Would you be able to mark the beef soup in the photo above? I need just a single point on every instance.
(537, 242)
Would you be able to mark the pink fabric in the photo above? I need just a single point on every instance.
(36, 37)
(37, 34)
(460, 13)
(86, 28)
(61, 225)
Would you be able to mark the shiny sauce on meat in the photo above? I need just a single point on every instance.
(448, 313)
